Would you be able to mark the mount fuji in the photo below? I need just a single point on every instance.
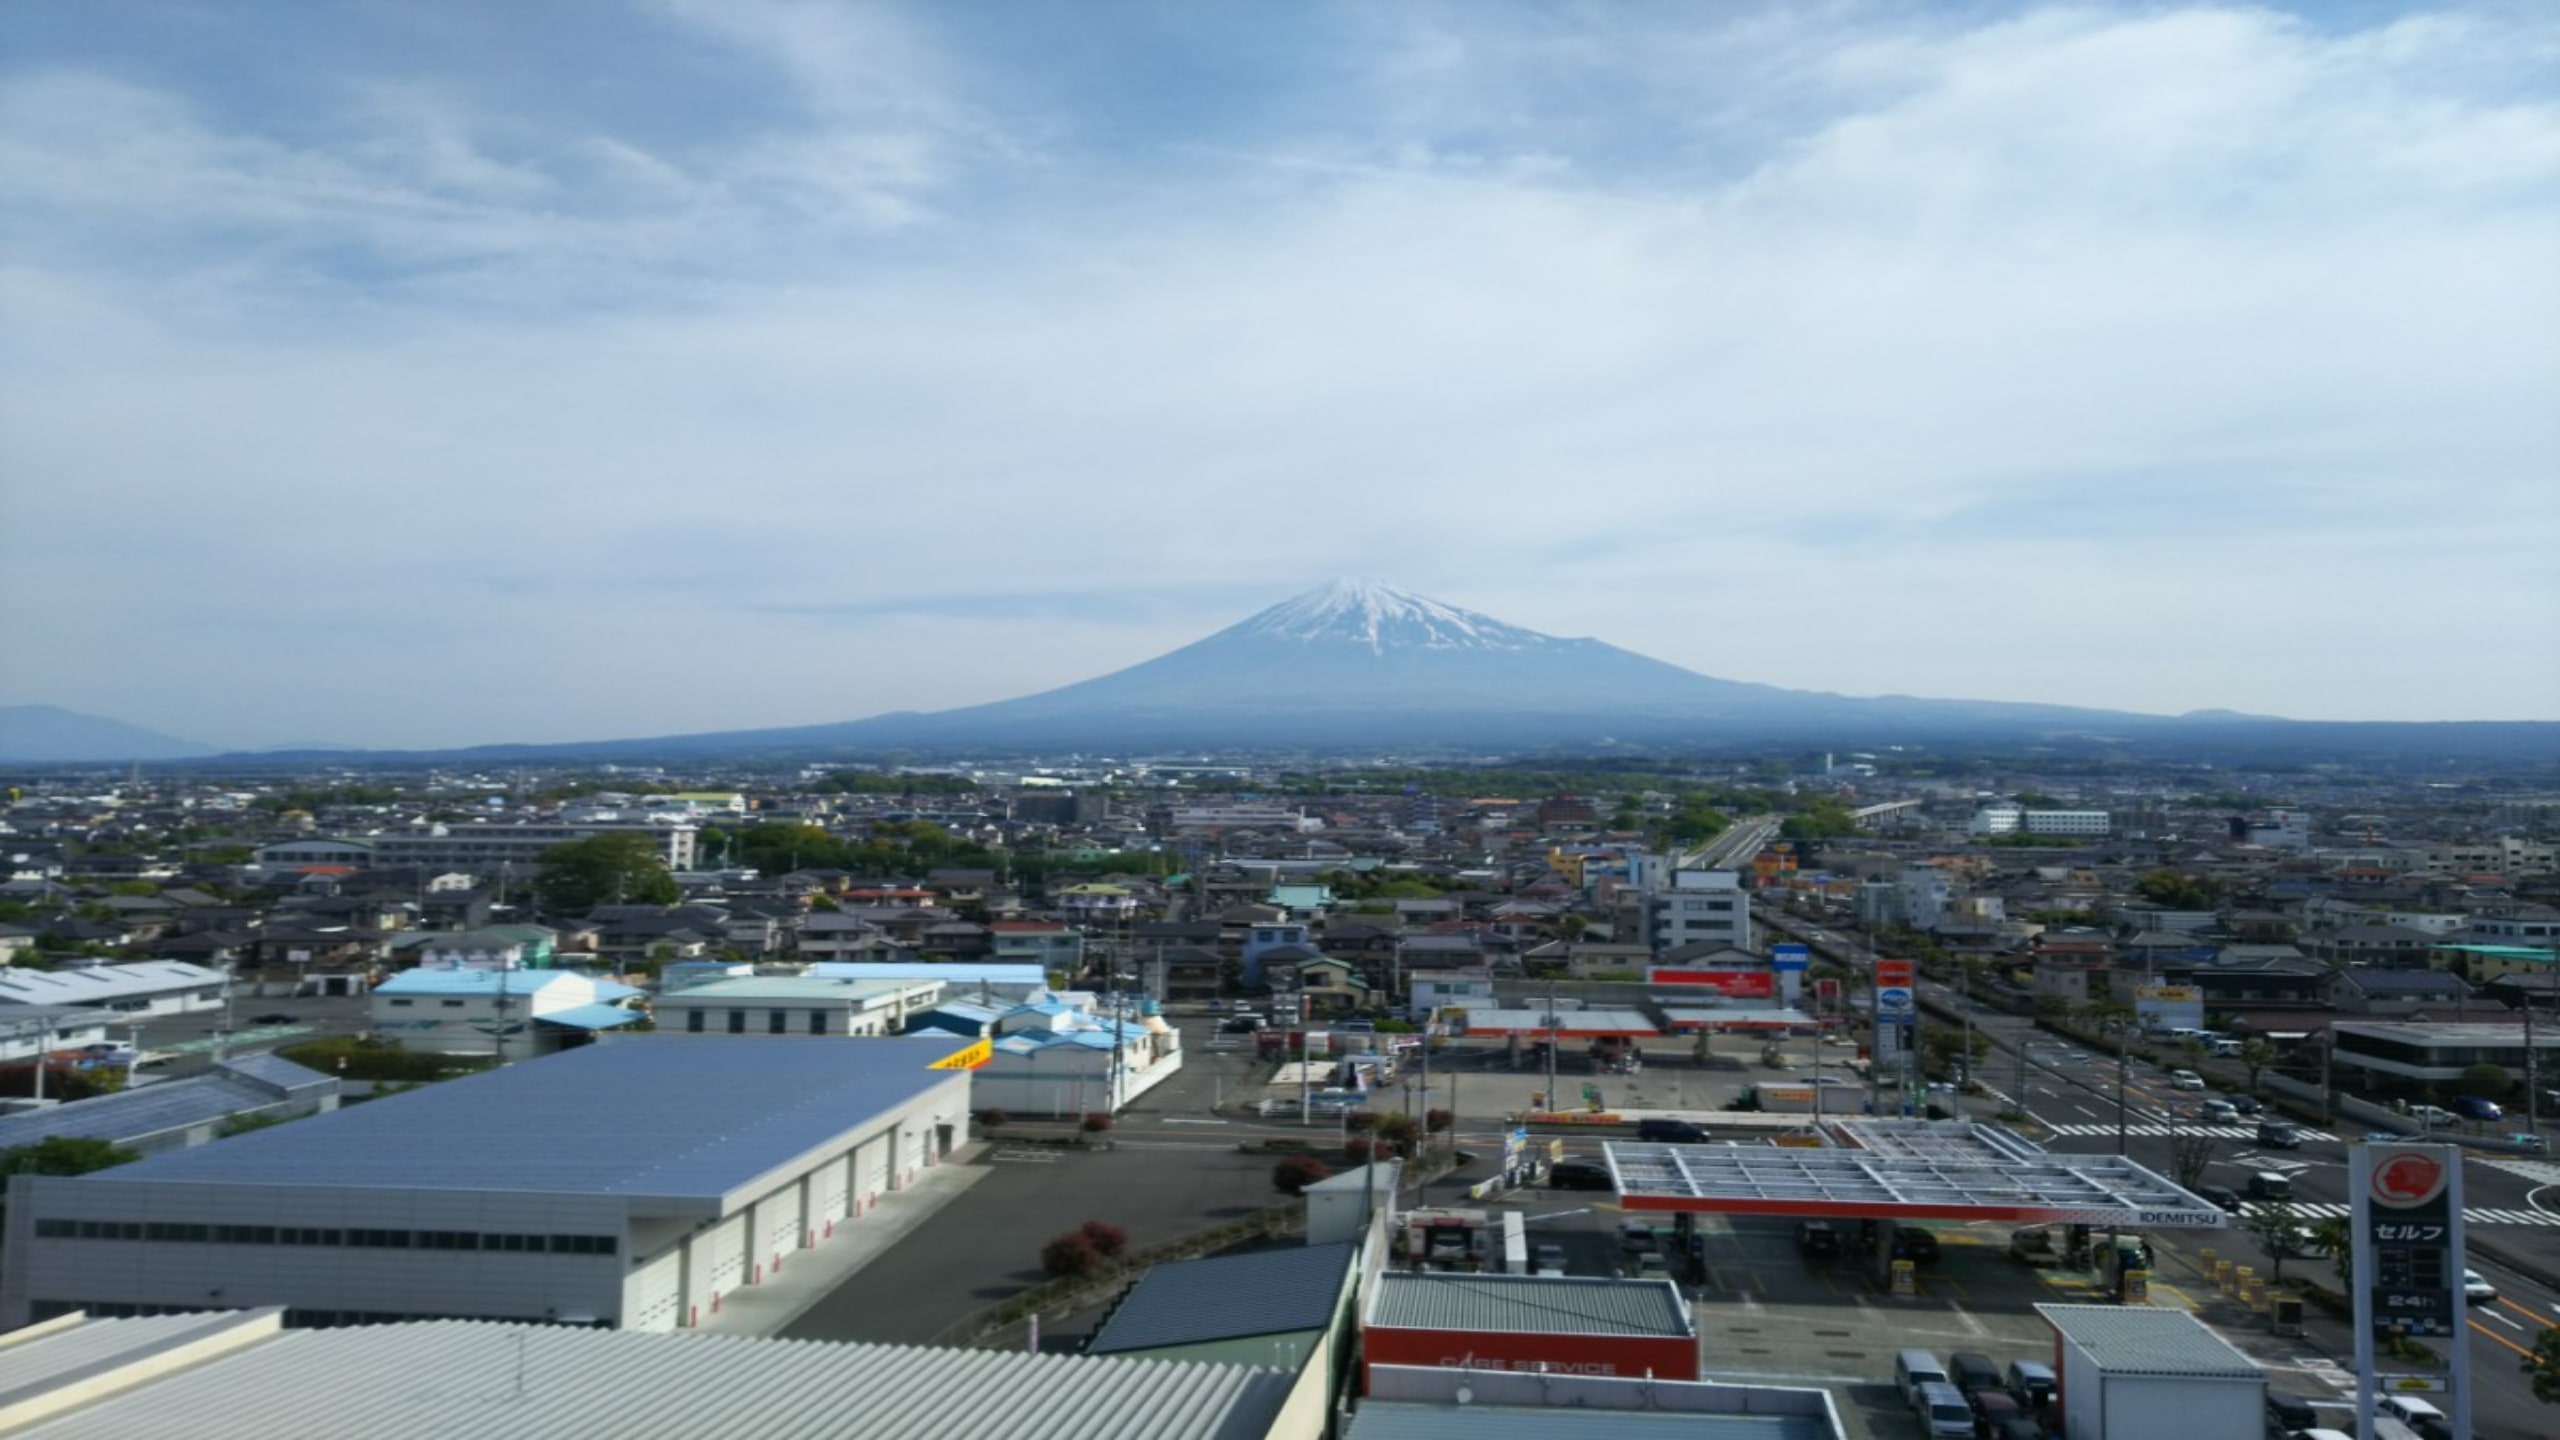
(1355, 665)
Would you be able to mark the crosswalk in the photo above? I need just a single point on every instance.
(2471, 1215)
(2162, 1132)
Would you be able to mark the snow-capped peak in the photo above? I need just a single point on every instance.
(1380, 618)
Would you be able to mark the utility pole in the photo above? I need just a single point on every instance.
(2121, 1061)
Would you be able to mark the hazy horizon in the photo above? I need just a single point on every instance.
(418, 377)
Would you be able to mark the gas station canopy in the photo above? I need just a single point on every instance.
(1562, 1024)
(1685, 1018)
(1906, 1170)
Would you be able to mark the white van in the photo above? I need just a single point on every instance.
(1914, 1368)
(1943, 1410)
(2419, 1415)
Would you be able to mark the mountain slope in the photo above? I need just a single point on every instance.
(50, 735)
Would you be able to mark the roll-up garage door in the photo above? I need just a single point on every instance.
(777, 1229)
(870, 1172)
(720, 1256)
(652, 1299)
(827, 1192)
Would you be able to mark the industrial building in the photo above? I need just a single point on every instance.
(631, 1183)
(136, 991)
(795, 1005)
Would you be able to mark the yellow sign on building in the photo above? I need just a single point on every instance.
(977, 1054)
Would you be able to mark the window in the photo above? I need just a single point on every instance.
(737, 1022)
(777, 1022)
(693, 1020)
(817, 1022)
(451, 1004)
(400, 1003)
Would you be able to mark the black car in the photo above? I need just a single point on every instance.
(1579, 1175)
(1670, 1132)
(2248, 1104)
(1914, 1244)
(2223, 1197)
(1817, 1239)
(275, 1019)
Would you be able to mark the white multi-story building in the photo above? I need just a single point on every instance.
(2010, 819)
(1698, 905)
(488, 847)
(627, 1184)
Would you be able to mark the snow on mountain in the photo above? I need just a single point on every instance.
(1382, 618)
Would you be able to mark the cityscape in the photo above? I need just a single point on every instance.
(1296, 721)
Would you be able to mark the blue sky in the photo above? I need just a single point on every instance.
(418, 375)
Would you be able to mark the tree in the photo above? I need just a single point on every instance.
(615, 868)
(2190, 1152)
(1295, 1173)
(2489, 1082)
(1398, 1132)
(2279, 1229)
(2337, 1235)
(2175, 890)
(2256, 1054)
(2542, 1365)
(64, 1155)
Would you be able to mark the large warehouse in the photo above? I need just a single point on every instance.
(629, 1183)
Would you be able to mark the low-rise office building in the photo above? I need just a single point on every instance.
(628, 1183)
(509, 1014)
(795, 1005)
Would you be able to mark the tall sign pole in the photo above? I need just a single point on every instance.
(1895, 1006)
(2408, 1268)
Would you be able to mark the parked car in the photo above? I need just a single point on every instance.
(2476, 1290)
(1549, 1260)
(2288, 1412)
(1971, 1372)
(1817, 1239)
(1670, 1132)
(1635, 1237)
(2433, 1115)
(1914, 1244)
(1942, 1410)
(2034, 1247)
(1579, 1175)
(2030, 1384)
(1651, 1265)
(2419, 1415)
(2222, 1197)
(2185, 1080)
(275, 1018)
(1991, 1408)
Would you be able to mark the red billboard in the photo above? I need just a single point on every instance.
(1732, 984)
(1893, 972)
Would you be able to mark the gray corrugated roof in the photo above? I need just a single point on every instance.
(1401, 1420)
(132, 1115)
(1530, 1304)
(691, 1116)
(273, 1069)
(1191, 1302)
(2125, 1340)
(556, 1383)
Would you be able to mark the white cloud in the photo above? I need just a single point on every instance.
(1811, 347)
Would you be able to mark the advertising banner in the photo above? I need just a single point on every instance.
(1731, 984)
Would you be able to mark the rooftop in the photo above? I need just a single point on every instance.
(2130, 1340)
(1529, 1304)
(721, 1112)
(561, 1383)
(1293, 1287)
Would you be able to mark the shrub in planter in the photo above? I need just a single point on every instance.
(988, 1119)
(1360, 1122)
(1437, 1120)
(1358, 1149)
(1071, 1254)
(1095, 1122)
(1293, 1175)
(1108, 1240)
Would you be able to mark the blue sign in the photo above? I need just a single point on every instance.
(1893, 1000)
(1790, 957)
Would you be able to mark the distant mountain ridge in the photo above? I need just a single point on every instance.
(51, 735)
(1362, 668)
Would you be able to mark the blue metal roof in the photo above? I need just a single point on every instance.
(589, 1017)
(231, 1087)
(680, 1117)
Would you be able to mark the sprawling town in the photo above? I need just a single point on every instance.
(1820, 1095)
